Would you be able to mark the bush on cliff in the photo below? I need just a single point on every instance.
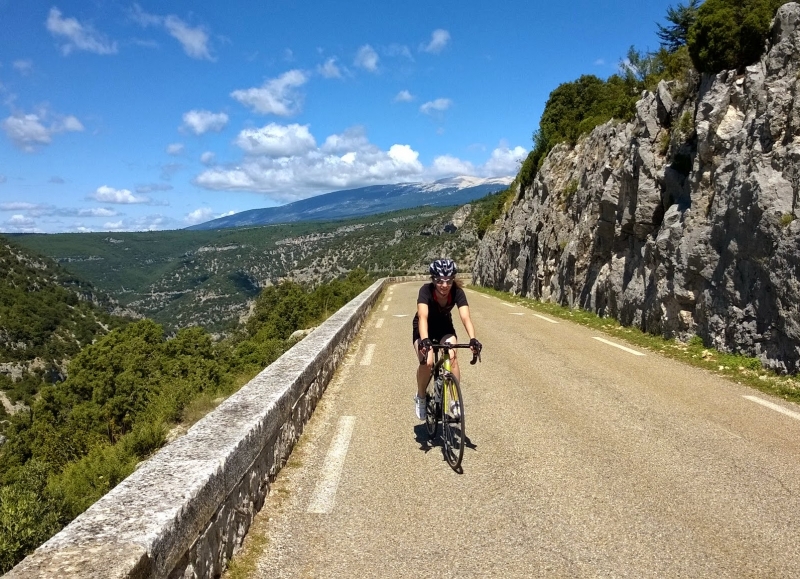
(730, 34)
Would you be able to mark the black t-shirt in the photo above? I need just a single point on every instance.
(440, 318)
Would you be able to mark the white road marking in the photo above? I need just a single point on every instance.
(509, 305)
(546, 319)
(774, 407)
(399, 315)
(516, 313)
(379, 323)
(367, 359)
(634, 352)
(325, 492)
(385, 308)
(389, 299)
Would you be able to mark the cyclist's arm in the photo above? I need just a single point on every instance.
(463, 311)
(422, 312)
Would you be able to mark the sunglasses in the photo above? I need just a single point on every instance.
(444, 282)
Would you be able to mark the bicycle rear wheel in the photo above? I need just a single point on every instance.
(453, 422)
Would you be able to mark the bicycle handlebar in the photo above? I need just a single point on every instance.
(476, 357)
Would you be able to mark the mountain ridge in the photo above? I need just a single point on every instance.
(363, 201)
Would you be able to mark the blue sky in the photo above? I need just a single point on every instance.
(120, 116)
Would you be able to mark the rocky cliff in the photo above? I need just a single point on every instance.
(681, 222)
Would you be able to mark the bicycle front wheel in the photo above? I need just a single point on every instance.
(432, 411)
(453, 422)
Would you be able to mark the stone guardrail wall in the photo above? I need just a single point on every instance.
(186, 510)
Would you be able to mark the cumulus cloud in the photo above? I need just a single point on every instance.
(367, 58)
(504, 161)
(344, 160)
(201, 121)
(446, 165)
(435, 106)
(76, 36)
(276, 96)
(329, 69)
(403, 97)
(17, 206)
(194, 40)
(175, 149)
(20, 224)
(204, 214)
(208, 158)
(275, 140)
(107, 194)
(32, 131)
(439, 39)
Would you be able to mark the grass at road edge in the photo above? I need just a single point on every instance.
(734, 367)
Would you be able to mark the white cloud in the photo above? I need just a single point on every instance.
(28, 132)
(330, 69)
(504, 161)
(345, 160)
(276, 96)
(194, 40)
(446, 165)
(114, 225)
(97, 212)
(77, 36)
(204, 214)
(24, 67)
(199, 215)
(107, 194)
(208, 158)
(398, 50)
(367, 58)
(403, 97)
(439, 39)
(276, 140)
(20, 224)
(201, 121)
(438, 105)
(17, 206)
(175, 149)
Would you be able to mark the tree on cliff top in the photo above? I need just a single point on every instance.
(730, 34)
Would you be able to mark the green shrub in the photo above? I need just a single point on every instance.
(730, 34)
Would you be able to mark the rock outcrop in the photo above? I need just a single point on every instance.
(681, 222)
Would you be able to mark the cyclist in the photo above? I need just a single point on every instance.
(435, 322)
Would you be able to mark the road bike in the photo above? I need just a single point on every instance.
(445, 404)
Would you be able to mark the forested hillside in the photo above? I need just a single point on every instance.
(208, 278)
(46, 316)
(125, 395)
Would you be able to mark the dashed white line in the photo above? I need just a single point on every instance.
(324, 496)
(379, 323)
(368, 351)
(773, 406)
(516, 313)
(546, 319)
(634, 352)
(399, 315)
(509, 305)
(385, 308)
(389, 299)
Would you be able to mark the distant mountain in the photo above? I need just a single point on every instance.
(365, 201)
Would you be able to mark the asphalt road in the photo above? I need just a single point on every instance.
(586, 460)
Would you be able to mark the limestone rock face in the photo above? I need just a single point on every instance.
(681, 222)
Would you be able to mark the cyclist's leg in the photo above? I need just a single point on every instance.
(423, 370)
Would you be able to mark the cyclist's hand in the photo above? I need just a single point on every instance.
(475, 345)
(425, 346)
